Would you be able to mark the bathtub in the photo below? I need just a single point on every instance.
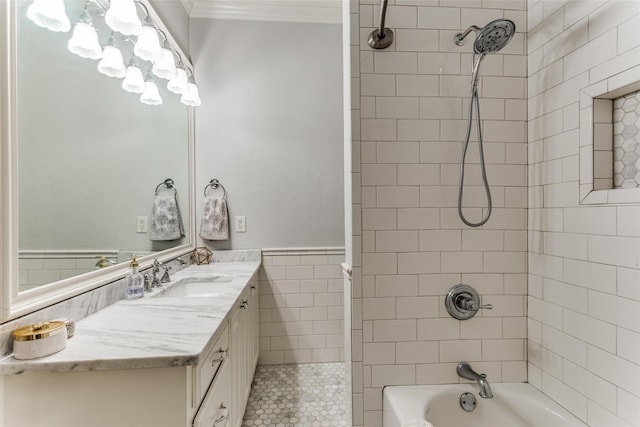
(513, 405)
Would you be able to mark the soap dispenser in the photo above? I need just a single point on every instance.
(134, 281)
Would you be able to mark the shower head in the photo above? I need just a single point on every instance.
(494, 36)
(490, 38)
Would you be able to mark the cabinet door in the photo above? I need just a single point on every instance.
(243, 348)
(253, 335)
(237, 354)
(216, 407)
(210, 366)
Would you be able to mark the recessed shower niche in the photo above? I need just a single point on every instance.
(610, 143)
(626, 141)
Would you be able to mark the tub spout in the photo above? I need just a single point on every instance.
(465, 371)
(485, 389)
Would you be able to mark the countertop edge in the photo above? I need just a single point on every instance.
(50, 364)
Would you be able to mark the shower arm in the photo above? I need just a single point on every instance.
(458, 39)
(381, 37)
(383, 15)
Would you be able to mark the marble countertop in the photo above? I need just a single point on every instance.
(148, 332)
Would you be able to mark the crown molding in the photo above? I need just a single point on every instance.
(188, 5)
(309, 11)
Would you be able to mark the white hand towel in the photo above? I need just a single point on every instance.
(215, 219)
(416, 423)
(166, 221)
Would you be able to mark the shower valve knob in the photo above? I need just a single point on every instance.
(463, 302)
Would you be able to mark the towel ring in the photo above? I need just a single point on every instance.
(215, 184)
(168, 183)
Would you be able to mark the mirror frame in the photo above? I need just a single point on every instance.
(14, 304)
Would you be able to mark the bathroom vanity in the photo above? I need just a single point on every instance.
(184, 355)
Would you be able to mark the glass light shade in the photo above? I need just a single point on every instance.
(84, 41)
(49, 14)
(191, 97)
(178, 85)
(123, 17)
(112, 64)
(133, 82)
(150, 95)
(148, 45)
(165, 67)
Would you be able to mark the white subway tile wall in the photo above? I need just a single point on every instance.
(584, 261)
(409, 247)
(36, 269)
(301, 306)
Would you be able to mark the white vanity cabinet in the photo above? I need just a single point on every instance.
(212, 393)
(243, 324)
(158, 397)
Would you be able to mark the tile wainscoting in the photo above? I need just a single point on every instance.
(301, 306)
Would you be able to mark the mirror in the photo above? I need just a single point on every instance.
(89, 156)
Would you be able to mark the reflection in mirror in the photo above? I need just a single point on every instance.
(90, 156)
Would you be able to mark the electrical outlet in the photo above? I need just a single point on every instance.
(241, 224)
(141, 224)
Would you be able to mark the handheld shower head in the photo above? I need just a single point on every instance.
(494, 36)
(490, 38)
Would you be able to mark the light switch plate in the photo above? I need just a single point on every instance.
(241, 224)
(141, 224)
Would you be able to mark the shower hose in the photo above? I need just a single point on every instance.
(474, 101)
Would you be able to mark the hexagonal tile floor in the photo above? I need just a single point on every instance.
(626, 141)
(309, 395)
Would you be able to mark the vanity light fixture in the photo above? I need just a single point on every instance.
(148, 46)
(49, 14)
(191, 97)
(150, 95)
(122, 17)
(133, 81)
(84, 41)
(165, 66)
(178, 85)
(112, 64)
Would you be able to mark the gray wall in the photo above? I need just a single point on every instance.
(176, 19)
(90, 154)
(270, 129)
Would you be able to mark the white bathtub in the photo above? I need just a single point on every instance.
(513, 405)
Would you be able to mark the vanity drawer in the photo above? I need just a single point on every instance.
(212, 364)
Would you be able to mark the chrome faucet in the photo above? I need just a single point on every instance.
(147, 282)
(165, 277)
(155, 270)
(465, 371)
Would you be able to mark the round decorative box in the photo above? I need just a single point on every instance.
(39, 340)
(69, 324)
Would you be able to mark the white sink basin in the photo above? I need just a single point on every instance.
(201, 287)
